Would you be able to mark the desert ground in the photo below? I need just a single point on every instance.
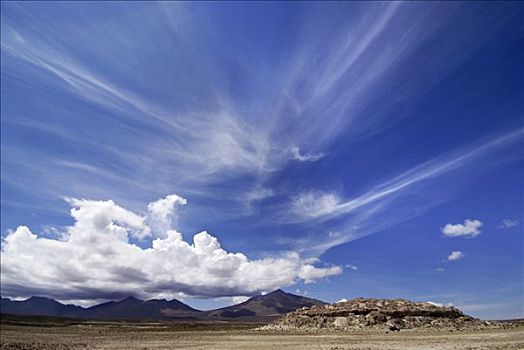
(61, 334)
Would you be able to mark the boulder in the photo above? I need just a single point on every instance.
(340, 322)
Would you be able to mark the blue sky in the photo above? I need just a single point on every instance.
(341, 149)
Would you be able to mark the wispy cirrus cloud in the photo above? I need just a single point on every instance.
(307, 157)
(223, 141)
(217, 138)
(376, 210)
(324, 206)
(313, 204)
(508, 223)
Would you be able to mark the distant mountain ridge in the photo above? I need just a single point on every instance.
(133, 308)
(266, 306)
(39, 306)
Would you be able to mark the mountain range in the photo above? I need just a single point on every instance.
(266, 306)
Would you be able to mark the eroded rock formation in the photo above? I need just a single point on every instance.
(379, 314)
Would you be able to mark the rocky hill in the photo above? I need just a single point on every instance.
(378, 314)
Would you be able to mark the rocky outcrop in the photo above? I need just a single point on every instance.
(378, 314)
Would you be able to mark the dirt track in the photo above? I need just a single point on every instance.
(162, 336)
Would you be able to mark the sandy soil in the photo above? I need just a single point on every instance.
(171, 336)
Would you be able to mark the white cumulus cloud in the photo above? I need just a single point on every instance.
(455, 255)
(94, 259)
(106, 218)
(310, 273)
(162, 212)
(469, 228)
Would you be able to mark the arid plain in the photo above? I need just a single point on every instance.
(49, 334)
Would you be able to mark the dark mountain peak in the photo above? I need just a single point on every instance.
(270, 305)
(280, 295)
(156, 301)
(131, 299)
(177, 304)
(277, 293)
(134, 308)
(274, 295)
(39, 306)
(172, 304)
(40, 299)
